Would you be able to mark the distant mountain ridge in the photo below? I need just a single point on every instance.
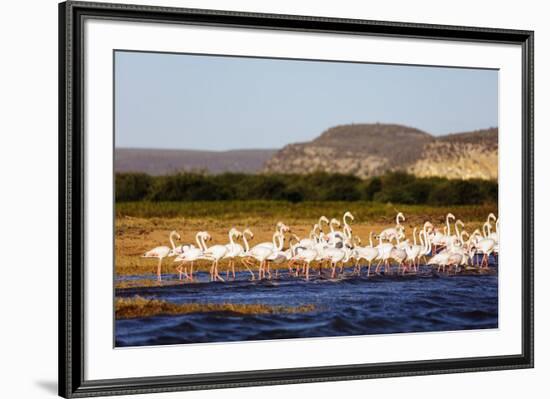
(367, 150)
(160, 162)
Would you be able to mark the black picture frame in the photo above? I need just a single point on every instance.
(71, 200)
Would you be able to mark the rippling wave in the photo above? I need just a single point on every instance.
(346, 306)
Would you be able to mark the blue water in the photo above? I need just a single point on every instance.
(346, 306)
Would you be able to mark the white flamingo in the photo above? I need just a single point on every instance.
(413, 251)
(307, 256)
(322, 219)
(278, 256)
(190, 255)
(261, 252)
(246, 250)
(334, 235)
(281, 229)
(368, 253)
(335, 256)
(346, 216)
(384, 254)
(214, 253)
(163, 252)
(448, 238)
(398, 254)
(233, 250)
(486, 246)
(312, 240)
(440, 259)
(394, 232)
(452, 240)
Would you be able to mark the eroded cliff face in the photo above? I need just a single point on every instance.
(368, 150)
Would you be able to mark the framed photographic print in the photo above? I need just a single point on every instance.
(252, 199)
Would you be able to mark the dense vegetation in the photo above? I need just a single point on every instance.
(394, 187)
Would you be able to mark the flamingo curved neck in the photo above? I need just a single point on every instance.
(429, 244)
(449, 217)
(172, 234)
(399, 218)
(370, 238)
(231, 232)
(281, 242)
(486, 229)
(322, 219)
(202, 239)
(347, 232)
(245, 241)
(274, 238)
(344, 219)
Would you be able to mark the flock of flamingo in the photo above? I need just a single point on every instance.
(445, 249)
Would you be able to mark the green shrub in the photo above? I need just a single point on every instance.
(396, 187)
(132, 186)
(373, 187)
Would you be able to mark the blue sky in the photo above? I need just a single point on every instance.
(219, 103)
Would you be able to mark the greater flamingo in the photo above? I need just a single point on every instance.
(191, 254)
(214, 253)
(233, 250)
(162, 252)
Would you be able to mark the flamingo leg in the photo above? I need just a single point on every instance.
(217, 275)
(290, 270)
(249, 269)
(260, 275)
(159, 278)
(377, 270)
(212, 272)
(182, 271)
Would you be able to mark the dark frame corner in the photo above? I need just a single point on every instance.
(71, 235)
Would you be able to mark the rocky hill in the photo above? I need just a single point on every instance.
(372, 149)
